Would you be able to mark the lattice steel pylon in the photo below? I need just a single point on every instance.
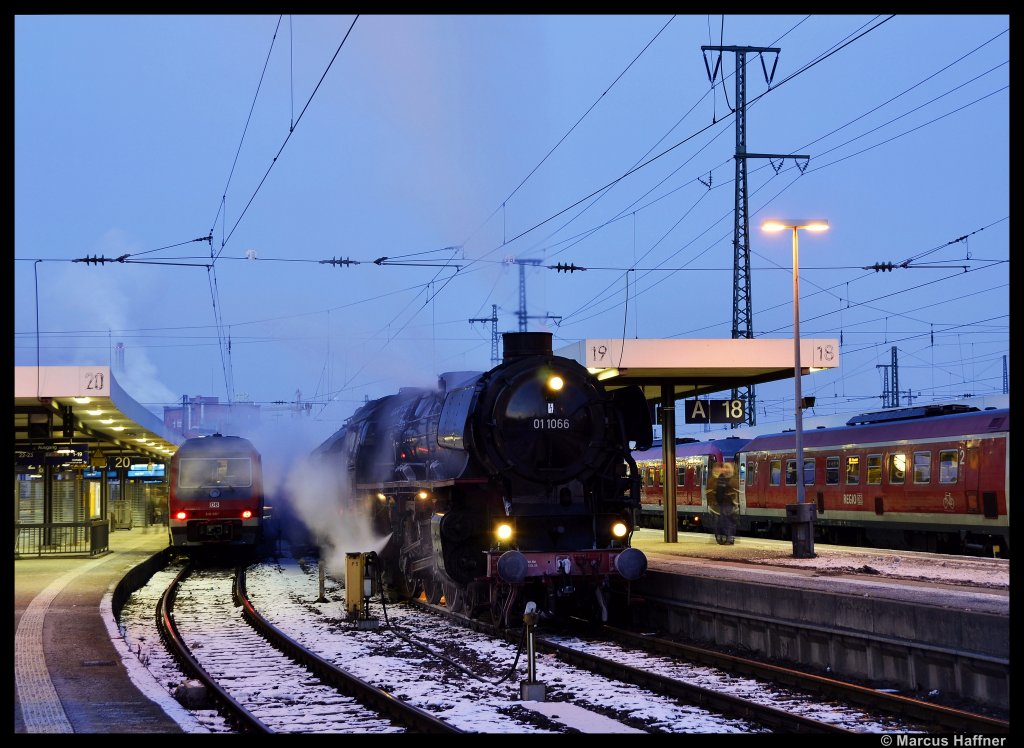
(523, 316)
(891, 395)
(742, 316)
(493, 319)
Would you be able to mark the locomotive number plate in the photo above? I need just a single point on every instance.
(551, 423)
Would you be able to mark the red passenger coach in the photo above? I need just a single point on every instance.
(216, 494)
(933, 478)
(695, 461)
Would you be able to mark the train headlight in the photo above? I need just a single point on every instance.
(180, 516)
(503, 532)
(422, 495)
(247, 514)
(381, 497)
(620, 529)
(555, 383)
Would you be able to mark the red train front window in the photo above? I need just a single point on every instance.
(207, 472)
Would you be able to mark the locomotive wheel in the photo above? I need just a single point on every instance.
(407, 584)
(503, 597)
(454, 598)
(474, 599)
(433, 589)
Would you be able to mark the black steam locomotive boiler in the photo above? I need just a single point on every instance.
(514, 484)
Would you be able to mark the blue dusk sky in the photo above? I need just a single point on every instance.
(213, 194)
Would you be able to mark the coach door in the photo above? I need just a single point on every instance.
(972, 479)
(706, 480)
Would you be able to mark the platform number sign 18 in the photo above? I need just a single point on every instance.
(715, 411)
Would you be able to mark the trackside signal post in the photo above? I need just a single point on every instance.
(358, 589)
(671, 370)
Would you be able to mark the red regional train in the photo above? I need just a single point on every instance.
(695, 463)
(216, 495)
(930, 478)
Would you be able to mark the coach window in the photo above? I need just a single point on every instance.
(832, 471)
(650, 477)
(681, 476)
(874, 470)
(852, 470)
(744, 473)
(790, 472)
(948, 465)
(922, 467)
(776, 472)
(897, 469)
(809, 471)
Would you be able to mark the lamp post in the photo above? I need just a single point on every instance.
(802, 514)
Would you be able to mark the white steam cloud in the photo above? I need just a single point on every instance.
(315, 494)
(311, 492)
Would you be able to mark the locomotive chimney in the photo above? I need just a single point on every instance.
(520, 344)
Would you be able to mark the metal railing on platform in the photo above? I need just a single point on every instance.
(47, 539)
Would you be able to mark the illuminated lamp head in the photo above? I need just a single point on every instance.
(555, 383)
(620, 529)
(503, 532)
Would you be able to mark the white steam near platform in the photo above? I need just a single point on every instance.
(310, 491)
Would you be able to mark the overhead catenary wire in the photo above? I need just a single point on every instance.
(634, 291)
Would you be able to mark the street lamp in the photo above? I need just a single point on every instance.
(801, 515)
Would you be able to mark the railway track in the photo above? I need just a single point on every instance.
(468, 676)
(593, 645)
(772, 708)
(262, 680)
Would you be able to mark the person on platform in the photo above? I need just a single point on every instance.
(726, 503)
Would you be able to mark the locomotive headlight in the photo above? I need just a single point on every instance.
(555, 383)
(422, 495)
(180, 516)
(620, 529)
(381, 497)
(247, 514)
(503, 532)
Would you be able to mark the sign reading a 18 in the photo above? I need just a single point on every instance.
(715, 411)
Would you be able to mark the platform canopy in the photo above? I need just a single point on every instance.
(693, 368)
(84, 405)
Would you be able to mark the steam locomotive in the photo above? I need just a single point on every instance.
(514, 485)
